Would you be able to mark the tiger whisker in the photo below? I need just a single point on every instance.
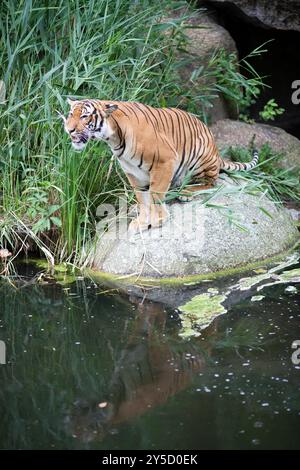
(61, 116)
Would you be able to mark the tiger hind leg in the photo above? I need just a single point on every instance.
(189, 192)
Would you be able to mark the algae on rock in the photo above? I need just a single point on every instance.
(199, 312)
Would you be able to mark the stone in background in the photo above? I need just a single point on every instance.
(232, 133)
(203, 42)
(278, 14)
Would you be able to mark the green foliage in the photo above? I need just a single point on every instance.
(271, 111)
(40, 212)
(279, 183)
(240, 91)
(239, 83)
(235, 79)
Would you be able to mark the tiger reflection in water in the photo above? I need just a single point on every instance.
(147, 373)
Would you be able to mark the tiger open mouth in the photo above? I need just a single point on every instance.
(79, 142)
(78, 145)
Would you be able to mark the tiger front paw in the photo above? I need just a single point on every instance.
(137, 225)
(159, 217)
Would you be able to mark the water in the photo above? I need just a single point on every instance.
(93, 370)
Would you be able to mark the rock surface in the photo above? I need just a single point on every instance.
(233, 231)
(205, 37)
(228, 132)
(278, 14)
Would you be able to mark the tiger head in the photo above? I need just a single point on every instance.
(87, 121)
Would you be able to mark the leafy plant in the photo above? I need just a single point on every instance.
(239, 83)
(236, 79)
(271, 111)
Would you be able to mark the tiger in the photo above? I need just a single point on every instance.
(157, 148)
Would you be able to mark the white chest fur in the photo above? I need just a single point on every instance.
(129, 162)
(131, 167)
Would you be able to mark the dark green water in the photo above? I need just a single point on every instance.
(71, 350)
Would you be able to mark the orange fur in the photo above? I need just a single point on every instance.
(156, 147)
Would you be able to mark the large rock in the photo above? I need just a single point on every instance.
(278, 14)
(233, 230)
(228, 132)
(205, 37)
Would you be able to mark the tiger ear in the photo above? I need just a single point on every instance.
(71, 102)
(110, 108)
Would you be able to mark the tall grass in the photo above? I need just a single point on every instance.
(83, 48)
(281, 184)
